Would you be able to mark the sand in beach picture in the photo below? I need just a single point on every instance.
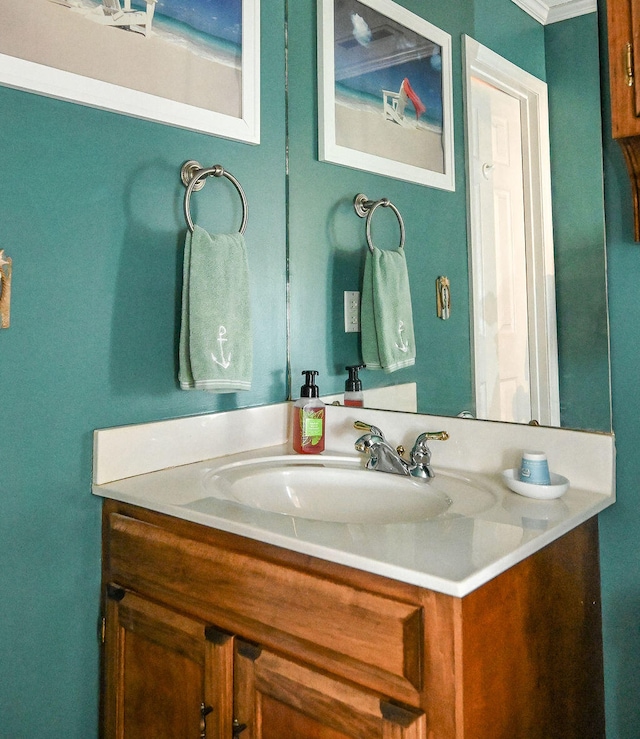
(388, 88)
(187, 51)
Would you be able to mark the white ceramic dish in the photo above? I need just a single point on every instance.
(559, 486)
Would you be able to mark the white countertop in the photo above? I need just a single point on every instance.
(454, 553)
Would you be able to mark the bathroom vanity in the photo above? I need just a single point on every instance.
(224, 621)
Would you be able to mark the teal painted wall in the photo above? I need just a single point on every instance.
(91, 213)
(512, 33)
(620, 525)
(573, 77)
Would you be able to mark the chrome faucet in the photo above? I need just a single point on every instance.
(384, 458)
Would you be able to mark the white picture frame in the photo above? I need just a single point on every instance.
(35, 31)
(370, 117)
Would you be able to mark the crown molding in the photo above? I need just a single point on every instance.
(552, 11)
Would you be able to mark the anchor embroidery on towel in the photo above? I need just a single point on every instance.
(403, 346)
(224, 363)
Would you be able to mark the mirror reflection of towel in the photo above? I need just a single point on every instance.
(386, 317)
(216, 347)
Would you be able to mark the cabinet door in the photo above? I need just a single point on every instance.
(279, 699)
(634, 60)
(166, 675)
(623, 20)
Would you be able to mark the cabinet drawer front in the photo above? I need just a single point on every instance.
(359, 634)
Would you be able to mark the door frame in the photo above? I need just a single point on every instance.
(484, 64)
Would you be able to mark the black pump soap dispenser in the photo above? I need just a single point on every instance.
(353, 395)
(308, 417)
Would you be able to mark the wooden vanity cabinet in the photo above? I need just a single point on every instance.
(623, 23)
(212, 635)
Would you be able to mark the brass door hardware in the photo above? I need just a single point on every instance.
(628, 58)
(5, 290)
(204, 712)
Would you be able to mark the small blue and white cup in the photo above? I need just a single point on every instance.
(534, 468)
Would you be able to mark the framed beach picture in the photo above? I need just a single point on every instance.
(188, 63)
(385, 99)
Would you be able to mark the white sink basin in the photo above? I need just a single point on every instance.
(336, 489)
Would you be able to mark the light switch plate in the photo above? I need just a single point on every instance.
(351, 311)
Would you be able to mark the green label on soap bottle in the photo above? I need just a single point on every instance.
(312, 426)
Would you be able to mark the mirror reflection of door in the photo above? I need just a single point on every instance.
(501, 328)
(515, 359)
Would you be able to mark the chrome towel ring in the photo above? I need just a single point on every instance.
(365, 208)
(193, 176)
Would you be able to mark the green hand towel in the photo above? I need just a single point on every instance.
(215, 350)
(386, 319)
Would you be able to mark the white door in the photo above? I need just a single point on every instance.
(510, 241)
(499, 269)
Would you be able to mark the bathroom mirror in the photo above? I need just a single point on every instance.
(327, 240)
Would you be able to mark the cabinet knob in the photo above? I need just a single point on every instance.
(114, 592)
(237, 727)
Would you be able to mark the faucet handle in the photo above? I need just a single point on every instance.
(362, 426)
(434, 436)
(421, 448)
(421, 454)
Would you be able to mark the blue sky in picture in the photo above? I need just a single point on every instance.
(373, 52)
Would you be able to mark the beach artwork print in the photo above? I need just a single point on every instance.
(191, 63)
(385, 91)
